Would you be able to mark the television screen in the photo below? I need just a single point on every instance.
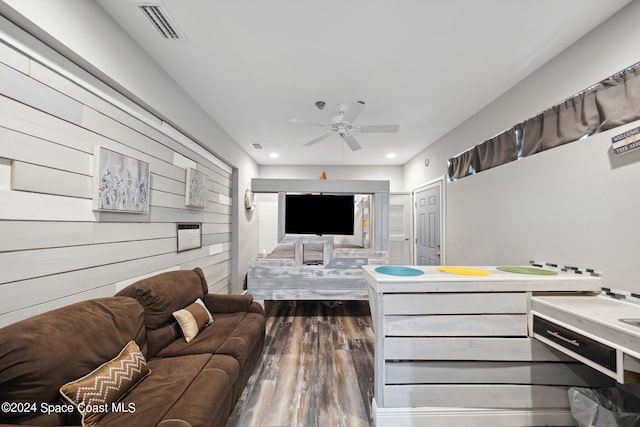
(319, 214)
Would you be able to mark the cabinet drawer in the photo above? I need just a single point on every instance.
(599, 353)
(456, 303)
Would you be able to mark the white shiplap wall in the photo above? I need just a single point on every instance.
(54, 249)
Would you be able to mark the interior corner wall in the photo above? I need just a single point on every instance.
(393, 174)
(571, 205)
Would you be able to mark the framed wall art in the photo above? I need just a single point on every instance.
(120, 183)
(195, 194)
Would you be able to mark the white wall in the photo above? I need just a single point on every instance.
(83, 32)
(393, 174)
(245, 232)
(572, 205)
(607, 49)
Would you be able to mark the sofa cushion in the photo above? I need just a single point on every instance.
(189, 390)
(106, 384)
(228, 303)
(234, 334)
(210, 399)
(165, 293)
(41, 353)
(158, 339)
(160, 296)
(208, 341)
(244, 337)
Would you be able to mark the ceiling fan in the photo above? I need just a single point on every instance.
(343, 124)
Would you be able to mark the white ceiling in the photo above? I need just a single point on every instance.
(425, 65)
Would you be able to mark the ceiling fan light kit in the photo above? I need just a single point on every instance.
(343, 124)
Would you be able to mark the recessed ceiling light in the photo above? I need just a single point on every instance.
(273, 155)
(391, 156)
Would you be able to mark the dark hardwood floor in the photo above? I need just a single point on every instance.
(316, 368)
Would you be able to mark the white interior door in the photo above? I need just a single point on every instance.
(400, 229)
(428, 227)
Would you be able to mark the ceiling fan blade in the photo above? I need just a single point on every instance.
(351, 142)
(378, 128)
(352, 113)
(318, 139)
(306, 122)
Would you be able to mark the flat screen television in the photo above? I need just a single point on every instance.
(319, 214)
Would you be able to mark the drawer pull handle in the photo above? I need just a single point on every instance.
(567, 340)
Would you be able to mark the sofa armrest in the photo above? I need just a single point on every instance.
(255, 307)
(228, 303)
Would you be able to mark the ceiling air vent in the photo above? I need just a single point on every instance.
(161, 21)
(256, 146)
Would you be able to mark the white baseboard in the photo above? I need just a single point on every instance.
(468, 417)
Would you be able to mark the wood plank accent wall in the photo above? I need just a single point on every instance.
(54, 249)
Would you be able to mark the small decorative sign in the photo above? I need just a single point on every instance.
(626, 142)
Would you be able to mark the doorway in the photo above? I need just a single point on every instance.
(400, 226)
(428, 223)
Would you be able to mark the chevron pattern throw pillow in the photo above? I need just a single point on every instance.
(94, 393)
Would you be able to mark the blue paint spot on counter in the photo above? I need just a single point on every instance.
(395, 270)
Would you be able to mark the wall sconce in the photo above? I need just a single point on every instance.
(249, 203)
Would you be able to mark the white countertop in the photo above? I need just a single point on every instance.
(434, 280)
(598, 309)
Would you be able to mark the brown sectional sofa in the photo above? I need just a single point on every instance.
(194, 383)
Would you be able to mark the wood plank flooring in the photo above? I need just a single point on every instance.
(316, 368)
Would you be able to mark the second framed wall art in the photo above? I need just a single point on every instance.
(196, 189)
